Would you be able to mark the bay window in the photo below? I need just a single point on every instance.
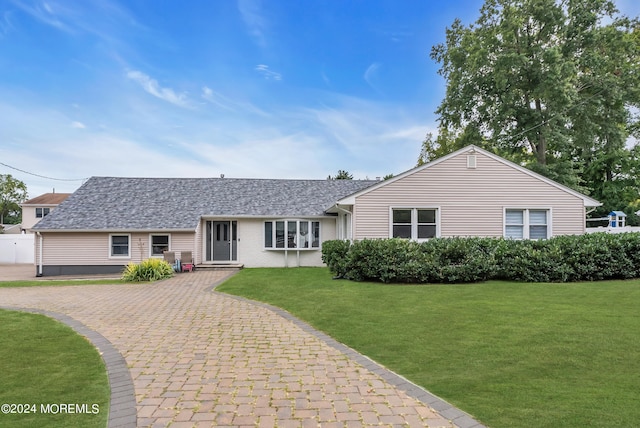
(292, 234)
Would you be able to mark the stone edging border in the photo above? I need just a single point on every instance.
(446, 410)
(122, 403)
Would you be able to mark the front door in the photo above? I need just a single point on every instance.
(221, 240)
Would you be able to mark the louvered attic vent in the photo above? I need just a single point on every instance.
(471, 161)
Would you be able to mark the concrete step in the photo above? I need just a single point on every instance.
(220, 266)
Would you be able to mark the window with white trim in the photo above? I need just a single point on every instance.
(414, 223)
(119, 245)
(159, 244)
(292, 234)
(526, 223)
(41, 212)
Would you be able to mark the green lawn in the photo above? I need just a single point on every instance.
(44, 364)
(510, 354)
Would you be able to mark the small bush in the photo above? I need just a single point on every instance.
(334, 255)
(148, 270)
(589, 257)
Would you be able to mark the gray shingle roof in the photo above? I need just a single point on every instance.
(116, 203)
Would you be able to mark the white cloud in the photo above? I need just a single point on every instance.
(268, 73)
(151, 86)
(107, 20)
(217, 99)
(371, 73)
(55, 14)
(251, 12)
(5, 23)
(226, 103)
(325, 78)
(139, 137)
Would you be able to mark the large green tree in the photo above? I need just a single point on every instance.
(12, 193)
(550, 84)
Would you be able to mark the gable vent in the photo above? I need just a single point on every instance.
(471, 161)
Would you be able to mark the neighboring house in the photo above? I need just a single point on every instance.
(10, 229)
(37, 208)
(109, 222)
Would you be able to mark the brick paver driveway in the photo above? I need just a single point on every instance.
(201, 358)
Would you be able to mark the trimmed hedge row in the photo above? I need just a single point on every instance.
(589, 257)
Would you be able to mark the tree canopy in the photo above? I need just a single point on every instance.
(12, 193)
(553, 85)
(341, 175)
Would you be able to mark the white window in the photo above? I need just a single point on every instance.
(414, 223)
(526, 223)
(41, 212)
(292, 234)
(159, 244)
(120, 246)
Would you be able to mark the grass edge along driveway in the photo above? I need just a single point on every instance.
(46, 365)
(510, 354)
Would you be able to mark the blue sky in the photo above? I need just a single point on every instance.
(247, 88)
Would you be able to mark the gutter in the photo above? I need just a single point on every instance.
(113, 230)
(342, 209)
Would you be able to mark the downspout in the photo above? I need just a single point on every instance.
(40, 239)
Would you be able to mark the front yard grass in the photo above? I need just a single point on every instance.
(45, 364)
(510, 354)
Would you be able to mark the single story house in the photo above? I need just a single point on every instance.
(109, 222)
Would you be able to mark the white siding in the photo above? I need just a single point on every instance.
(251, 251)
(471, 200)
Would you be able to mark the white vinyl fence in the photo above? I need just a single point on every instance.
(613, 229)
(17, 248)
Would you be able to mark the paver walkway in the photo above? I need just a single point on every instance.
(200, 358)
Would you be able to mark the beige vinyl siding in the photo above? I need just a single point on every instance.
(184, 242)
(29, 217)
(471, 201)
(78, 248)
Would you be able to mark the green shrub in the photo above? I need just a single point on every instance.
(148, 270)
(461, 260)
(589, 257)
(334, 255)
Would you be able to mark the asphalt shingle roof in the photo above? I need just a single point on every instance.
(116, 203)
(47, 199)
